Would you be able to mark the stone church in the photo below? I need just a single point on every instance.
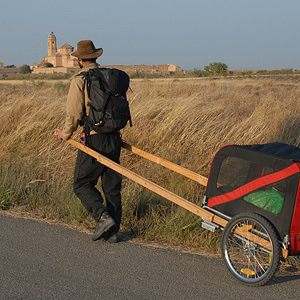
(61, 56)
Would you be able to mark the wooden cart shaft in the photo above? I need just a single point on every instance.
(197, 210)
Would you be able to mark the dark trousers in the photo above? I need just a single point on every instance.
(88, 171)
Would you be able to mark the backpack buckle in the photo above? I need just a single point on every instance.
(99, 124)
(82, 137)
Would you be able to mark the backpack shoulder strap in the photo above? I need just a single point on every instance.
(90, 76)
(87, 80)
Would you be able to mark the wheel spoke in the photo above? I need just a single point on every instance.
(256, 263)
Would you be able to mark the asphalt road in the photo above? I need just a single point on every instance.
(46, 261)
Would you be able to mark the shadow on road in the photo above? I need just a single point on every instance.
(124, 236)
(286, 274)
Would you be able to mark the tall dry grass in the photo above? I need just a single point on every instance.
(184, 121)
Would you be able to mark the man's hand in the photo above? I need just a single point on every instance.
(57, 133)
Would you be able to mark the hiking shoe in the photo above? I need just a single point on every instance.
(105, 224)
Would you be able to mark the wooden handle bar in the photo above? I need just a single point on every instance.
(176, 168)
(197, 210)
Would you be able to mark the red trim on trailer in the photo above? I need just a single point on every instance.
(295, 225)
(254, 185)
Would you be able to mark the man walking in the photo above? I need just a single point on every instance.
(87, 169)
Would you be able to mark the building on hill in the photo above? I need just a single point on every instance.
(59, 57)
(63, 62)
(1, 65)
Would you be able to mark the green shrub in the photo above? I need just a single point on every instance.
(25, 69)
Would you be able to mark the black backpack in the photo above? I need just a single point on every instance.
(109, 108)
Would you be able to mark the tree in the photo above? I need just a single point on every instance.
(216, 68)
(25, 69)
(200, 73)
(10, 66)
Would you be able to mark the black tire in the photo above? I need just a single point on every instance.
(246, 260)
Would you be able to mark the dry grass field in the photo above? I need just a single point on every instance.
(182, 120)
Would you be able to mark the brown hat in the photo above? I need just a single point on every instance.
(86, 49)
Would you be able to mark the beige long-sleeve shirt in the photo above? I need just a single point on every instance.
(77, 102)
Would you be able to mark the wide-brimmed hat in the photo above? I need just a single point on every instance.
(86, 49)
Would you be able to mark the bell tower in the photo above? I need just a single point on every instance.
(51, 44)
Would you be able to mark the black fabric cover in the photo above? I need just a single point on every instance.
(273, 157)
(277, 149)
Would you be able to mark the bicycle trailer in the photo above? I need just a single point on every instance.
(256, 188)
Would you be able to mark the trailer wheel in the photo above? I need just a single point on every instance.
(250, 249)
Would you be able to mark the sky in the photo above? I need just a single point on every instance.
(243, 34)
